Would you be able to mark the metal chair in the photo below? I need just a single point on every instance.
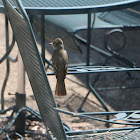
(73, 29)
(35, 69)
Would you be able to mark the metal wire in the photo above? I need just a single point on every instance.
(6, 124)
(20, 136)
(11, 120)
(96, 69)
(98, 119)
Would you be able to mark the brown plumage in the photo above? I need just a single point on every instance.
(60, 66)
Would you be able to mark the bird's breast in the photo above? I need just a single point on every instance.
(59, 59)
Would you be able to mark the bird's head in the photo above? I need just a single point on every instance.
(57, 44)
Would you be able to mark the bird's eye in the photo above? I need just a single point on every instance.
(54, 43)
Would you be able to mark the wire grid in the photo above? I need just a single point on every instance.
(118, 135)
(68, 3)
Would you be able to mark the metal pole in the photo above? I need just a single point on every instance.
(88, 42)
(20, 97)
(7, 64)
(43, 38)
(88, 38)
(88, 62)
(21, 76)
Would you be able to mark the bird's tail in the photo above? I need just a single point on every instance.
(60, 88)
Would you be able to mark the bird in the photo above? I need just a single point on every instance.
(60, 65)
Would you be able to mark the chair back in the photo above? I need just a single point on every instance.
(34, 67)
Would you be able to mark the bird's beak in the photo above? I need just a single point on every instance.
(51, 44)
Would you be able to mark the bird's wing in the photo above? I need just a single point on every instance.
(60, 62)
(54, 68)
(54, 64)
(66, 60)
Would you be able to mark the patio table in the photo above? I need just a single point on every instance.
(61, 7)
(53, 7)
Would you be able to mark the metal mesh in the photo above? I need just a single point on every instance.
(35, 70)
(71, 3)
(131, 135)
(121, 135)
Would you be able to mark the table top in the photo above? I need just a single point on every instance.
(54, 7)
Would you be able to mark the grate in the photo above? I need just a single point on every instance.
(68, 3)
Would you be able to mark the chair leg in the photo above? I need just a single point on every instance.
(93, 84)
(80, 109)
(7, 63)
(20, 121)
